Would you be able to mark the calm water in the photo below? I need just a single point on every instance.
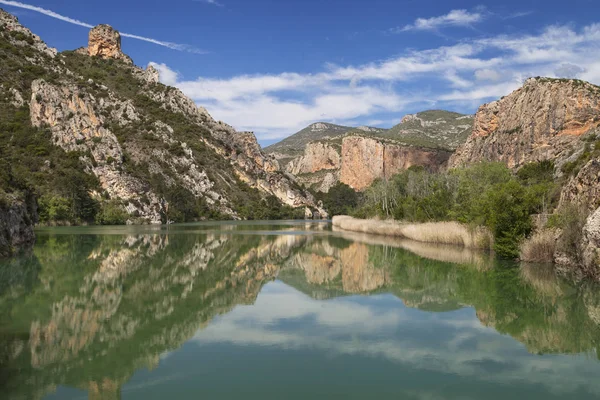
(286, 311)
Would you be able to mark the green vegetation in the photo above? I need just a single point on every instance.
(484, 194)
(340, 200)
(590, 150)
(112, 212)
(444, 130)
(30, 162)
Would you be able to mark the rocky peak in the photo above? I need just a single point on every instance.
(105, 42)
(409, 118)
(543, 120)
(318, 126)
(369, 129)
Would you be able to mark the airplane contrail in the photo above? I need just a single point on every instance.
(52, 14)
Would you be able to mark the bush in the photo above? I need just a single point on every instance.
(481, 194)
(340, 200)
(112, 213)
(540, 247)
(506, 209)
(570, 220)
(53, 209)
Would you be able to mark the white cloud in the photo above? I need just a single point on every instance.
(487, 75)
(166, 74)
(52, 14)
(453, 18)
(459, 77)
(391, 332)
(212, 2)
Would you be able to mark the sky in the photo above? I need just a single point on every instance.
(275, 66)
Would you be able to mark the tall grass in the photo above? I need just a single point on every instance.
(433, 251)
(451, 233)
(540, 247)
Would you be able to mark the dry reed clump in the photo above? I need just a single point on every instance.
(540, 247)
(432, 232)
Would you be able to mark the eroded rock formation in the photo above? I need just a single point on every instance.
(105, 42)
(543, 120)
(141, 139)
(17, 216)
(367, 159)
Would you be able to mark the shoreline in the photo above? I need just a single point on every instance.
(450, 233)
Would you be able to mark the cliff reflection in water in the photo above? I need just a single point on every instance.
(88, 311)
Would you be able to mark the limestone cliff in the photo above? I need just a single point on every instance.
(543, 120)
(151, 148)
(367, 159)
(17, 215)
(105, 42)
(318, 155)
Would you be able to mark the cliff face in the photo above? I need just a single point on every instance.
(317, 156)
(583, 188)
(18, 214)
(543, 120)
(105, 42)
(148, 145)
(322, 154)
(367, 159)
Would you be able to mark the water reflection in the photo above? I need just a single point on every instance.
(92, 309)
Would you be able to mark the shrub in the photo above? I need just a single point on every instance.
(340, 200)
(540, 247)
(570, 220)
(112, 213)
(53, 209)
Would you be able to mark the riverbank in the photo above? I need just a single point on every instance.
(452, 233)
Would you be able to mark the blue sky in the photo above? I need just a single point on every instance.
(275, 66)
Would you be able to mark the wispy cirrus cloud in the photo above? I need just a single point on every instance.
(52, 14)
(211, 2)
(453, 18)
(458, 77)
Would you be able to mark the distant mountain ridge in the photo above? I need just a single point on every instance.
(323, 154)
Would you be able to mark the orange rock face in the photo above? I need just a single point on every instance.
(364, 160)
(543, 120)
(105, 42)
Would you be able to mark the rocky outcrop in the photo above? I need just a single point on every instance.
(21, 36)
(18, 214)
(318, 156)
(78, 124)
(591, 245)
(543, 120)
(105, 42)
(144, 141)
(584, 188)
(315, 155)
(365, 159)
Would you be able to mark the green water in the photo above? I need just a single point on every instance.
(286, 311)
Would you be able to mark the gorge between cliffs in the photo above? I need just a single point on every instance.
(149, 250)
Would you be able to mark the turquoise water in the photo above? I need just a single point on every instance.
(288, 310)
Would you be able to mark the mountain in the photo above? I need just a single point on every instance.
(545, 119)
(555, 120)
(322, 155)
(433, 128)
(97, 139)
(294, 145)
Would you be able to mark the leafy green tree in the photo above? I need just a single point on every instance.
(506, 208)
(340, 200)
(112, 213)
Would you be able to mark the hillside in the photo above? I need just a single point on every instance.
(97, 139)
(293, 146)
(322, 155)
(433, 128)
